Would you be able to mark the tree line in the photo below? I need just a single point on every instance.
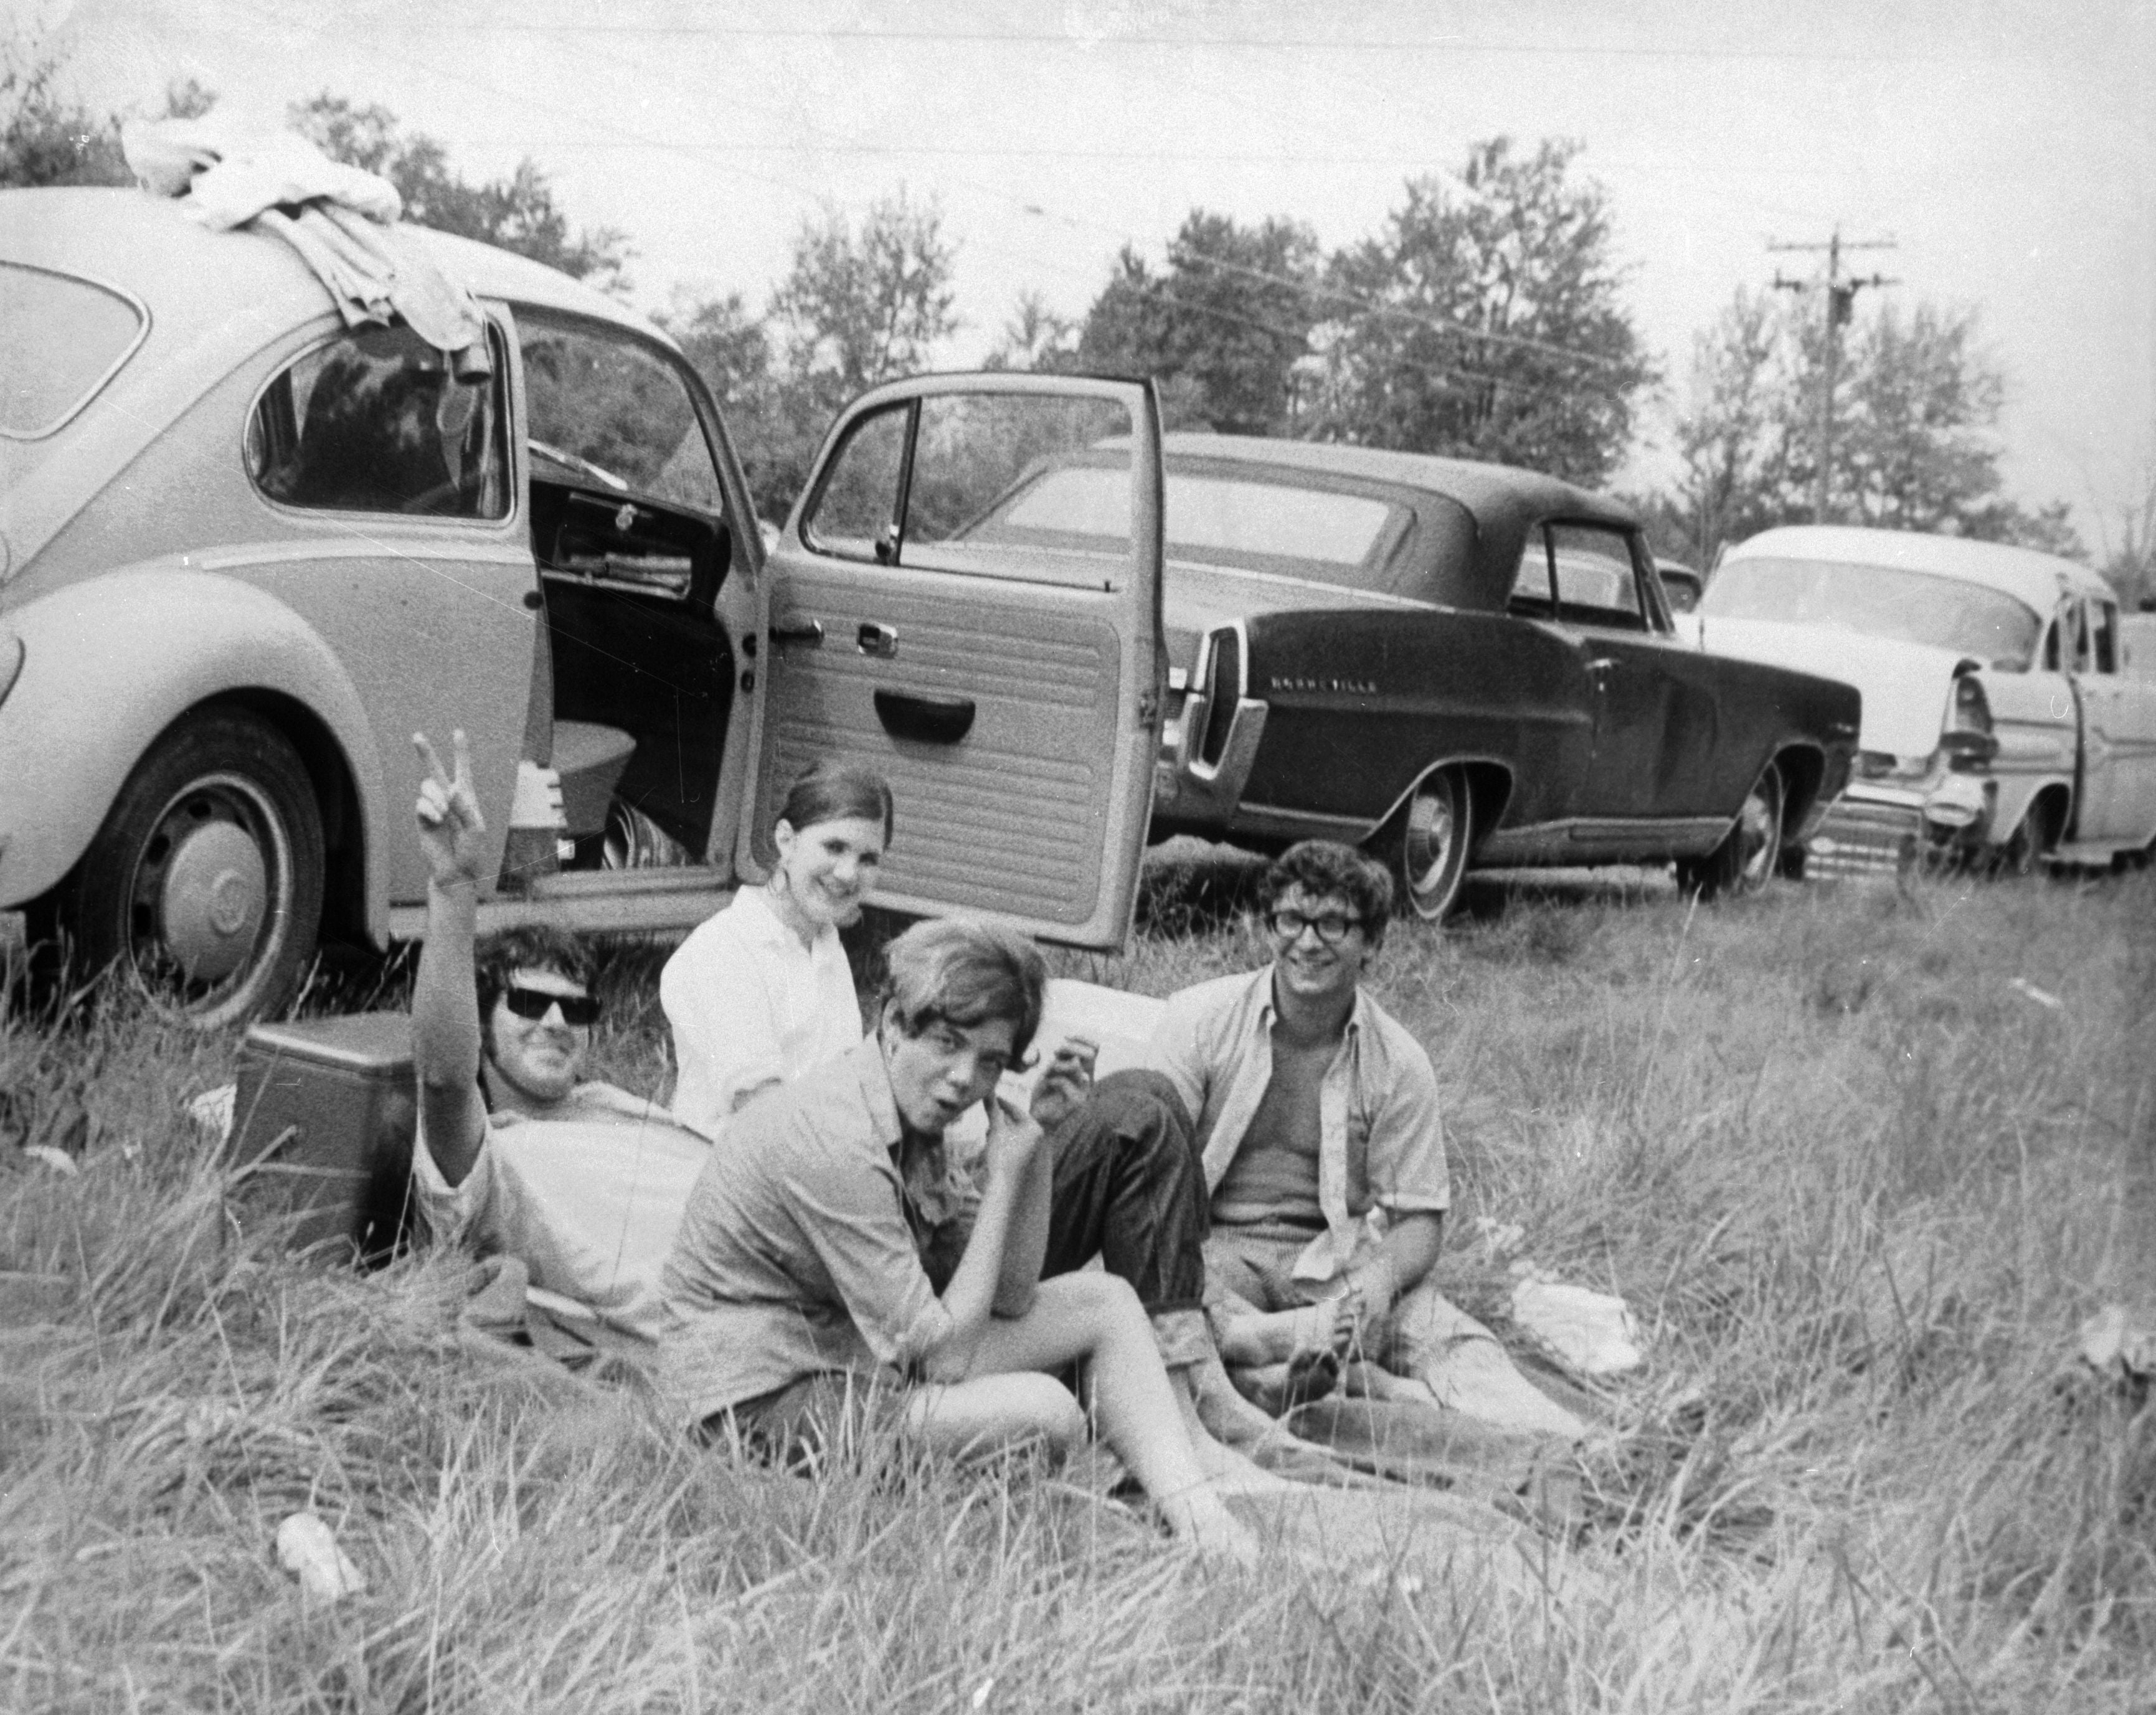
(1485, 318)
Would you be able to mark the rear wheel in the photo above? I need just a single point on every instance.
(1429, 852)
(203, 889)
(1749, 852)
(2024, 848)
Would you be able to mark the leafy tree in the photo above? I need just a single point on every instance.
(1916, 402)
(47, 138)
(1486, 320)
(1035, 337)
(1222, 330)
(730, 348)
(518, 212)
(2131, 565)
(862, 304)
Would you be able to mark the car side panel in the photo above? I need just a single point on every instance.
(2118, 760)
(141, 647)
(1362, 703)
(2038, 726)
(1658, 728)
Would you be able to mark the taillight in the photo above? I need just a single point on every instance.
(1967, 739)
(1223, 688)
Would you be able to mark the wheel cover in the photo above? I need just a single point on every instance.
(1759, 833)
(1432, 831)
(212, 891)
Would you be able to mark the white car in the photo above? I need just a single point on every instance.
(1999, 722)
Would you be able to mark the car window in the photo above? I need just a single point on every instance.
(2105, 633)
(1352, 540)
(1533, 596)
(855, 512)
(1597, 583)
(375, 421)
(61, 339)
(607, 411)
(946, 506)
(1879, 601)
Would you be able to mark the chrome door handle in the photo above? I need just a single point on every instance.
(1601, 663)
(808, 631)
(878, 640)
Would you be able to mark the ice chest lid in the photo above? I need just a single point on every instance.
(367, 1041)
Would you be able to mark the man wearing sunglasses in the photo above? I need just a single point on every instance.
(518, 1154)
(1324, 1157)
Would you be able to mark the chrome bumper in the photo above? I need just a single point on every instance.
(1190, 793)
(1875, 829)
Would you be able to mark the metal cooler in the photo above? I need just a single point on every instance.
(324, 1119)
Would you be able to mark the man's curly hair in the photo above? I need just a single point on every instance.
(1325, 866)
(529, 947)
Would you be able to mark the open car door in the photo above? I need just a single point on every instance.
(1003, 671)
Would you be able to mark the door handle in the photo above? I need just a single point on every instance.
(808, 631)
(878, 640)
(1601, 664)
(927, 720)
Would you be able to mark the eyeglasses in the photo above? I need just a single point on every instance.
(1332, 927)
(534, 1003)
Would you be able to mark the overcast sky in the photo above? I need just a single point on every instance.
(2009, 149)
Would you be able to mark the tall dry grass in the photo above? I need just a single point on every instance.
(1859, 1186)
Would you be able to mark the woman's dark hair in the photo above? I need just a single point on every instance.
(1322, 866)
(949, 972)
(529, 947)
(838, 792)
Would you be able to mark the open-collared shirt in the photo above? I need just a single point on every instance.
(802, 1249)
(749, 1005)
(1381, 1143)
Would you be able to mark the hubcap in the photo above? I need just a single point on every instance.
(1756, 827)
(206, 902)
(215, 897)
(1429, 840)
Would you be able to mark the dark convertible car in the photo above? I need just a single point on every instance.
(1463, 664)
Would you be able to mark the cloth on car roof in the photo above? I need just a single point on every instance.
(341, 220)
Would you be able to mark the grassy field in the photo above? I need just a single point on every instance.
(1860, 1160)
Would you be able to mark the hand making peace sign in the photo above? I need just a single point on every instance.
(452, 833)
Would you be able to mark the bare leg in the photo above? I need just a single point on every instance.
(994, 1413)
(1097, 1317)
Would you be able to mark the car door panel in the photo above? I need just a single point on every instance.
(1014, 713)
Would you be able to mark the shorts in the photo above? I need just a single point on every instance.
(835, 1419)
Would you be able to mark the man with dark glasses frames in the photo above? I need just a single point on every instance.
(518, 1154)
(1324, 1155)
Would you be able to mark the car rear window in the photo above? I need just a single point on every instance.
(1879, 601)
(1340, 538)
(61, 339)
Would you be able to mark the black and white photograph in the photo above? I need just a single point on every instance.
(728, 732)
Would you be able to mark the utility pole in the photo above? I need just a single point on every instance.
(1841, 306)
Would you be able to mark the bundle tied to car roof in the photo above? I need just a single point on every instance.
(341, 220)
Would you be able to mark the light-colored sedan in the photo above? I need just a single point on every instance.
(1999, 722)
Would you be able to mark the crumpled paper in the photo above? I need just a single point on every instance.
(2119, 1343)
(1593, 1333)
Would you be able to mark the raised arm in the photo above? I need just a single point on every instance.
(1001, 1266)
(445, 1028)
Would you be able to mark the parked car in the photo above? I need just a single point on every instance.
(1999, 722)
(1458, 663)
(1681, 586)
(246, 552)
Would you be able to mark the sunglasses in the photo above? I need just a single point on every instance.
(1332, 927)
(534, 1004)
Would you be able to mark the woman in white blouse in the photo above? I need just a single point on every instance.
(761, 991)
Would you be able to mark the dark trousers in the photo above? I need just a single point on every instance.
(1130, 1188)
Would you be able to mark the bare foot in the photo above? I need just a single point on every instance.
(1199, 1518)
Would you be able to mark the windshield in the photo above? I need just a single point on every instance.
(60, 339)
(1878, 601)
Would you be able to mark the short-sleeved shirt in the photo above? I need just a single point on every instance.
(802, 1247)
(1381, 1143)
(749, 1004)
(590, 1203)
